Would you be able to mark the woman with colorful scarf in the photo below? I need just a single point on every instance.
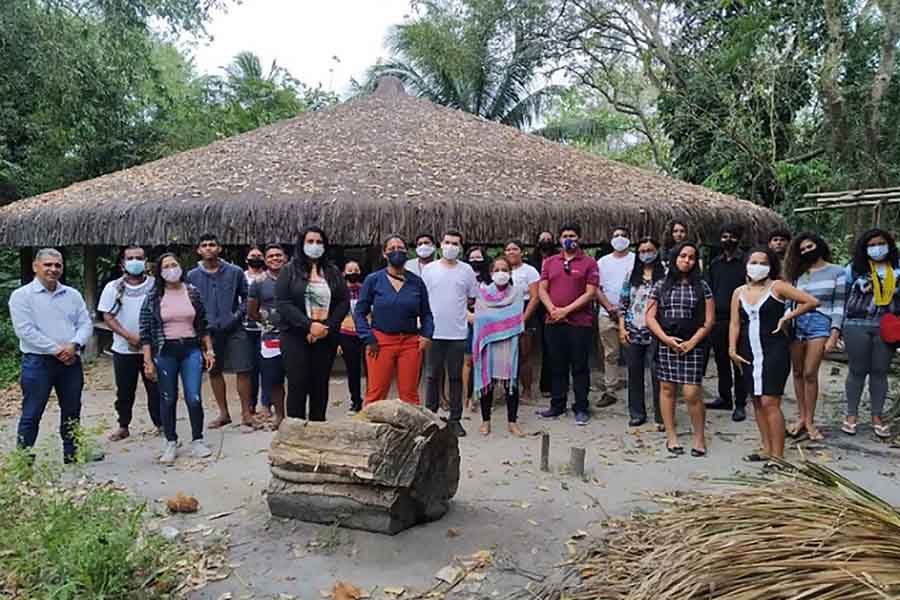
(495, 349)
(872, 293)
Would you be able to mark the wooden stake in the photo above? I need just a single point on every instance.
(576, 461)
(545, 452)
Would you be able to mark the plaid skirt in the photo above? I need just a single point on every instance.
(680, 368)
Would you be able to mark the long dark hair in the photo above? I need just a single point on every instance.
(301, 261)
(670, 242)
(537, 258)
(674, 276)
(160, 283)
(861, 256)
(794, 264)
(637, 271)
(774, 262)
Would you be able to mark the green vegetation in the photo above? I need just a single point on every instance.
(75, 540)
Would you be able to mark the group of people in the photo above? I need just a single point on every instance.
(457, 317)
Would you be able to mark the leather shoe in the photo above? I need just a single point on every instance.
(739, 414)
(606, 399)
(456, 429)
(719, 404)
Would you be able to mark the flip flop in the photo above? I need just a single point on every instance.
(218, 423)
(675, 450)
(794, 429)
(882, 431)
(815, 436)
(756, 457)
(849, 428)
(698, 453)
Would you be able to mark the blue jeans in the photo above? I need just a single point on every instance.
(258, 390)
(186, 359)
(40, 373)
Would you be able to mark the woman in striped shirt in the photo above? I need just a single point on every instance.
(808, 268)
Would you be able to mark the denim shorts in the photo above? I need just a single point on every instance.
(811, 326)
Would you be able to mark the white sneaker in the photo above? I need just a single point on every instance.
(169, 453)
(200, 450)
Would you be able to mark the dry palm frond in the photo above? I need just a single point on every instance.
(813, 535)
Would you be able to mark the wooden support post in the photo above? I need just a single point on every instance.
(90, 293)
(545, 452)
(576, 461)
(26, 258)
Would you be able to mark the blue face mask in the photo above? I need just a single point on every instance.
(877, 253)
(135, 267)
(570, 244)
(397, 258)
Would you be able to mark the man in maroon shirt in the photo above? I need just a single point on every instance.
(569, 282)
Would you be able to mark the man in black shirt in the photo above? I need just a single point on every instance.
(726, 273)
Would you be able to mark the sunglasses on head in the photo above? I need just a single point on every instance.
(567, 267)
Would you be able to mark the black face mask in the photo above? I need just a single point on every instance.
(812, 256)
(256, 263)
(730, 245)
(353, 277)
(546, 245)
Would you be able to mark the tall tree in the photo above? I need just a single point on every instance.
(485, 57)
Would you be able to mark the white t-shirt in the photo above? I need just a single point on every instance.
(128, 313)
(523, 276)
(416, 266)
(613, 271)
(449, 290)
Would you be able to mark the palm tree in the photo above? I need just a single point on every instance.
(485, 60)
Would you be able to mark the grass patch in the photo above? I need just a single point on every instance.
(64, 541)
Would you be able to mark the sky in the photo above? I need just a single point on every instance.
(304, 36)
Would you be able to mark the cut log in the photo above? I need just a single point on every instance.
(390, 467)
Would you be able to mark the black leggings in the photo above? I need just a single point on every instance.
(512, 401)
(308, 368)
(352, 350)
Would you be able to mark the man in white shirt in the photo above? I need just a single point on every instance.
(120, 304)
(613, 269)
(425, 251)
(451, 284)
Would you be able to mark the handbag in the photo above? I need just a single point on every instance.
(889, 327)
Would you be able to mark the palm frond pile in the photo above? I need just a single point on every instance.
(813, 535)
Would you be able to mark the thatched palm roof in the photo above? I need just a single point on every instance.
(377, 164)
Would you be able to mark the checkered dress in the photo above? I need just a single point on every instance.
(672, 366)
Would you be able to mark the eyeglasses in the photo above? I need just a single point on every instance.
(52, 265)
(567, 267)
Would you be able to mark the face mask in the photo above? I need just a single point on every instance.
(570, 244)
(172, 274)
(648, 257)
(135, 267)
(397, 258)
(757, 272)
(877, 253)
(424, 250)
(811, 256)
(730, 245)
(546, 245)
(256, 263)
(477, 265)
(449, 251)
(500, 277)
(620, 244)
(314, 251)
(353, 277)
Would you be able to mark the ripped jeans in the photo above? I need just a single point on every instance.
(186, 359)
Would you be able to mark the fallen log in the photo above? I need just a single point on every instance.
(392, 466)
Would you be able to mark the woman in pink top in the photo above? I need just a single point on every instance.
(173, 330)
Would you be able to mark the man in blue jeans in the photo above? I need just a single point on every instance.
(53, 325)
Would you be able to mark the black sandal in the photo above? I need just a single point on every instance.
(696, 453)
(675, 450)
(756, 457)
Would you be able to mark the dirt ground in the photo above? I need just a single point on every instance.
(506, 508)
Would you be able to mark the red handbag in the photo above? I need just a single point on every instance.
(890, 328)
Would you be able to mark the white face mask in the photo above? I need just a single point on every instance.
(500, 277)
(757, 272)
(172, 274)
(620, 244)
(877, 252)
(424, 250)
(314, 250)
(450, 251)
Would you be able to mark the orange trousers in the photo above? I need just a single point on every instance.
(396, 352)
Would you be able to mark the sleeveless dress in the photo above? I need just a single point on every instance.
(769, 354)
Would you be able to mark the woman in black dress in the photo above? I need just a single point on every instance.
(758, 342)
(681, 314)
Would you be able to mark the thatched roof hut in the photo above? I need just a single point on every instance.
(382, 163)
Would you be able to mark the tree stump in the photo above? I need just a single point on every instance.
(392, 466)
